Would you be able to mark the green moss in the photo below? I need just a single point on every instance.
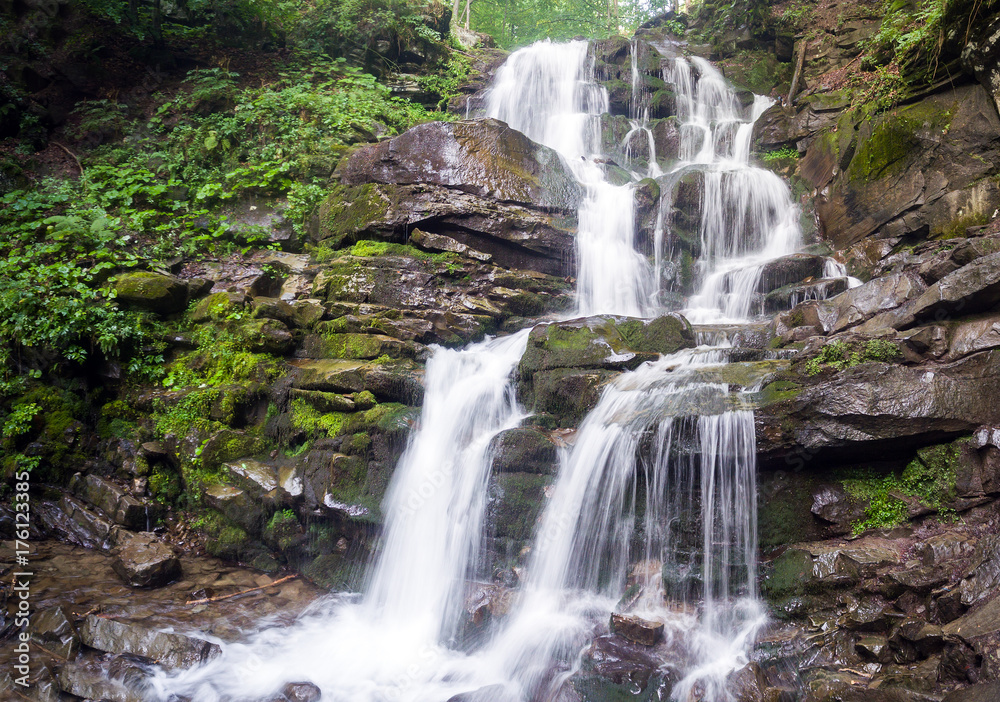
(216, 307)
(309, 419)
(349, 210)
(788, 574)
(840, 355)
(282, 530)
(353, 346)
(883, 152)
(164, 484)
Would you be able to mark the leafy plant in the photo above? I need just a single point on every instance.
(839, 355)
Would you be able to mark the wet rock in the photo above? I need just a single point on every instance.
(603, 342)
(167, 649)
(507, 234)
(622, 661)
(944, 549)
(873, 648)
(55, 631)
(124, 509)
(636, 629)
(515, 505)
(69, 519)
(984, 692)
(969, 337)
(788, 296)
(567, 393)
(789, 269)
(143, 560)
(860, 304)
(524, 451)
(239, 506)
(490, 693)
(884, 405)
(438, 242)
(154, 292)
(251, 475)
(301, 692)
(972, 288)
(87, 679)
(483, 157)
(898, 185)
(833, 504)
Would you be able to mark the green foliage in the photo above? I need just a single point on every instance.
(782, 154)
(514, 23)
(930, 479)
(446, 78)
(371, 33)
(839, 355)
(877, 91)
(908, 38)
(19, 421)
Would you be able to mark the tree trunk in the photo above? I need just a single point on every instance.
(468, 3)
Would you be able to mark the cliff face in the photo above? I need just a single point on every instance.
(295, 377)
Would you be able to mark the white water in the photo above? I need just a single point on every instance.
(747, 215)
(663, 447)
(392, 645)
(547, 91)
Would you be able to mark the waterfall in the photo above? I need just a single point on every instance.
(747, 213)
(548, 92)
(653, 511)
(393, 643)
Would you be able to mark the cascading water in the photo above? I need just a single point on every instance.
(547, 91)
(656, 499)
(392, 645)
(747, 214)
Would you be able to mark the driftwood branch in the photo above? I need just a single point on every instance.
(242, 592)
(798, 72)
(75, 157)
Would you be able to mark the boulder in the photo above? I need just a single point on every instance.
(301, 692)
(604, 342)
(482, 157)
(636, 629)
(506, 233)
(132, 513)
(153, 292)
(881, 405)
(170, 650)
(88, 680)
(240, 506)
(524, 450)
(55, 631)
(515, 505)
(143, 560)
(904, 178)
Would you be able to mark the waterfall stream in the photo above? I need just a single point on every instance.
(654, 508)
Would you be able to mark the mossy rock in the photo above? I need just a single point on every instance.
(153, 292)
(349, 211)
(356, 346)
(331, 571)
(264, 336)
(217, 307)
(524, 450)
(229, 445)
(515, 505)
(788, 574)
(568, 393)
(604, 342)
